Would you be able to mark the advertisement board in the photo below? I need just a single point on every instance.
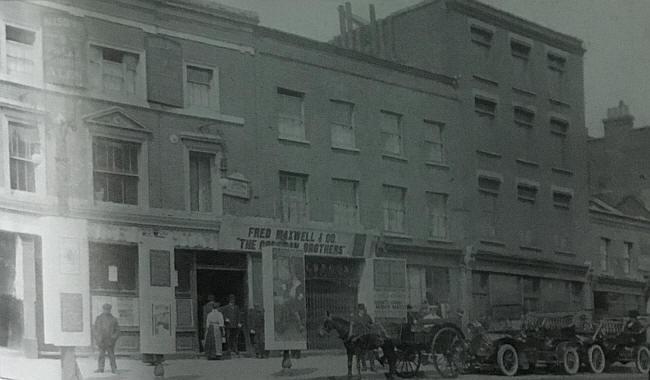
(390, 291)
(285, 308)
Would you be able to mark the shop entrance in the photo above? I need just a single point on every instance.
(221, 274)
(11, 308)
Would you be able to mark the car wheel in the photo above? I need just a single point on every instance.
(570, 361)
(508, 360)
(643, 359)
(596, 359)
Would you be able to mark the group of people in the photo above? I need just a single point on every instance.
(424, 317)
(223, 327)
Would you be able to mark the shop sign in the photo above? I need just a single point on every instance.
(255, 238)
(390, 303)
(237, 187)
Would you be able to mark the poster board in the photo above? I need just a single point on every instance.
(285, 308)
(125, 309)
(390, 290)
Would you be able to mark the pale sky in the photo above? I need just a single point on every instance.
(616, 34)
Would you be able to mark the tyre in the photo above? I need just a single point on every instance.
(508, 360)
(596, 359)
(642, 359)
(570, 361)
(408, 363)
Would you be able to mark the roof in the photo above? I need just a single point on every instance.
(215, 8)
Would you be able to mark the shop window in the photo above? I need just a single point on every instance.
(113, 268)
(394, 209)
(437, 210)
(345, 202)
(480, 295)
(294, 205)
(389, 274)
(342, 124)
(202, 87)
(291, 122)
(437, 285)
(24, 155)
(114, 72)
(434, 141)
(184, 264)
(115, 170)
(201, 168)
(391, 133)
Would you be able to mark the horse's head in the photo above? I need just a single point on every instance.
(326, 326)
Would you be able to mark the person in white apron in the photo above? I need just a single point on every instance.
(214, 333)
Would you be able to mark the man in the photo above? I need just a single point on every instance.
(360, 326)
(231, 315)
(106, 331)
(256, 325)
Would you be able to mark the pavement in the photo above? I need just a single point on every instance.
(14, 366)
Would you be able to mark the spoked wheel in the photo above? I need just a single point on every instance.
(570, 361)
(447, 350)
(408, 363)
(596, 359)
(508, 360)
(643, 359)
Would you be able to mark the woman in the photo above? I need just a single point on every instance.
(214, 333)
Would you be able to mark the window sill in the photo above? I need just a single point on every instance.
(527, 163)
(396, 235)
(294, 141)
(207, 114)
(111, 206)
(481, 43)
(440, 240)
(524, 124)
(35, 81)
(485, 80)
(438, 165)
(394, 157)
(488, 153)
(530, 248)
(565, 253)
(524, 92)
(559, 102)
(496, 243)
(562, 171)
(345, 149)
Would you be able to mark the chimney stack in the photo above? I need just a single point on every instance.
(618, 120)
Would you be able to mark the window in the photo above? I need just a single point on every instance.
(559, 127)
(21, 51)
(24, 155)
(342, 124)
(291, 123)
(389, 274)
(526, 192)
(527, 196)
(113, 71)
(556, 62)
(115, 170)
(201, 165)
(627, 257)
(201, 87)
(488, 199)
(437, 210)
(560, 148)
(523, 116)
(113, 267)
(433, 139)
(391, 133)
(519, 49)
(294, 207)
(394, 209)
(345, 202)
(562, 199)
(532, 292)
(556, 68)
(485, 106)
(604, 254)
(481, 36)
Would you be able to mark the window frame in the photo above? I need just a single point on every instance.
(445, 216)
(485, 100)
(207, 144)
(567, 194)
(37, 77)
(518, 109)
(441, 144)
(284, 92)
(302, 217)
(351, 126)
(519, 53)
(40, 167)
(140, 73)
(628, 248)
(403, 210)
(214, 101)
(485, 31)
(604, 247)
(400, 133)
(124, 174)
(353, 223)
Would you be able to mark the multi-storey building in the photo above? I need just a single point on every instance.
(152, 149)
(525, 183)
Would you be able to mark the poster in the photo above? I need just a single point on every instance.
(72, 312)
(112, 273)
(161, 320)
(159, 268)
(284, 299)
(125, 309)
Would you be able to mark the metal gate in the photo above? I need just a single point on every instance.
(324, 296)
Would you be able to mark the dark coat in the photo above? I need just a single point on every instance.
(106, 330)
(231, 313)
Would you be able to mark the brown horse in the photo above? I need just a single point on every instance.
(359, 345)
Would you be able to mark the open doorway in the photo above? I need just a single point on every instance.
(11, 304)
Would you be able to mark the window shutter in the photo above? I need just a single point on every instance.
(164, 71)
(64, 59)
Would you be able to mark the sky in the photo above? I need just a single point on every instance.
(616, 34)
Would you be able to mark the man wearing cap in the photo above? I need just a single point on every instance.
(231, 316)
(106, 331)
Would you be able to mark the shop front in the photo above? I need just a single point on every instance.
(616, 297)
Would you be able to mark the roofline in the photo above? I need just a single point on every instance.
(216, 9)
(353, 54)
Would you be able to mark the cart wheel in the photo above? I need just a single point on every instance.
(596, 359)
(508, 360)
(643, 359)
(447, 351)
(408, 363)
(570, 361)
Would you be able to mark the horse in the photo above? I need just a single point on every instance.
(358, 345)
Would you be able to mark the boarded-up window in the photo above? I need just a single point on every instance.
(64, 59)
(164, 71)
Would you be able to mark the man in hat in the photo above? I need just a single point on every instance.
(106, 331)
(231, 316)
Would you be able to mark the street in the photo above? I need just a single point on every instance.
(322, 367)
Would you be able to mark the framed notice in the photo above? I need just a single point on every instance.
(184, 314)
(72, 312)
(161, 320)
(159, 268)
(284, 299)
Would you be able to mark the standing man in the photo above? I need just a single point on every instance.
(256, 323)
(231, 316)
(106, 331)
